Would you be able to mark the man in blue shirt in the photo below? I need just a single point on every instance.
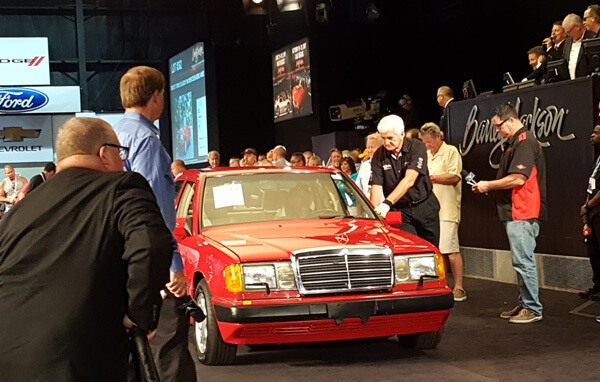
(142, 92)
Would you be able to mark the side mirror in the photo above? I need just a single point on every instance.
(180, 230)
(393, 218)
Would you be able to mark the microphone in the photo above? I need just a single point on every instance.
(469, 177)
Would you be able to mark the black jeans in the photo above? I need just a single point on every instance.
(170, 344)
(423, 219)
(594, 250)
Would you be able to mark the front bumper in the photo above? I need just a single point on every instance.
(337, 311)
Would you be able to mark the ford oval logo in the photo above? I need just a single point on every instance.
(18, 100)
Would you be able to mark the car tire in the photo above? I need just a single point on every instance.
(210, 348)
(420, 341)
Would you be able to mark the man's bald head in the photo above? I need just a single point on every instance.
(83, 136)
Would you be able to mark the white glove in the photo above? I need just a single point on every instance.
(382, 209)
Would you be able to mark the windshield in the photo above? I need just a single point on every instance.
(250, 198)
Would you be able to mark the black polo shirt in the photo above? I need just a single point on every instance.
(387, 171)
(523, 156)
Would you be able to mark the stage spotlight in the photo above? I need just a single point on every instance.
(322, 11)
(256, 7)
(289, 5)
(372, 11)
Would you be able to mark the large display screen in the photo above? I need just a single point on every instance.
(291, 81)
(189, 127)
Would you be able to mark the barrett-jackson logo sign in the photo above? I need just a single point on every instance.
(543, 123)
(18, 100)
(35, 61)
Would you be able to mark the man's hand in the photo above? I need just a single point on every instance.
(127, 323)
(481, 187)
(382, 209)
(177, 285)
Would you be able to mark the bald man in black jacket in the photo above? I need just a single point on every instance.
(79, 258)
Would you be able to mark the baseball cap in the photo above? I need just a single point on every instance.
(250, 150)
(363, 154)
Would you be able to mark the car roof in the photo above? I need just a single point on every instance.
(220, 171)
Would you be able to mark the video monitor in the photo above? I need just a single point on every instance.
(591, 50)
(469, 90)
(187, 90)
(557, 70)
(507, 78)
(292, 94)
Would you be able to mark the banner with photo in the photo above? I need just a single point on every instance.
(292, 94)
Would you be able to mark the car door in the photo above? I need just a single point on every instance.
(187, 228)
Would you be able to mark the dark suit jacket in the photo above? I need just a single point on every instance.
(583, 68)
(444, 120)
(555, 52)
(538, 73)
(75, 257)
(35, 181)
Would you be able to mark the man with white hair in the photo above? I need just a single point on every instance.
(399, 169)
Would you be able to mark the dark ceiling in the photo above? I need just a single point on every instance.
(412, 47)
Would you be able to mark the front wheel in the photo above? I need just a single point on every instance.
(421, 341)
(210, 347)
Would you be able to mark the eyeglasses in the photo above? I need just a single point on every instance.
(501, 123)
(123, 151)
(570, 30)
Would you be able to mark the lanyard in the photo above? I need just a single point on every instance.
(596, 168)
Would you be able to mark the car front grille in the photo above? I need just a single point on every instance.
(343, 269)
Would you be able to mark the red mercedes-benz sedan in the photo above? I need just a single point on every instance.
(289, 255)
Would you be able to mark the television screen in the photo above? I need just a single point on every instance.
(189, 127)
(507, 78)
(469, 90)
(591, 49)
(291, 81)
(557, 70)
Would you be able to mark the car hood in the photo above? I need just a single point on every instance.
(276, 240)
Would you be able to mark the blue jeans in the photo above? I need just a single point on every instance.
(521, 237)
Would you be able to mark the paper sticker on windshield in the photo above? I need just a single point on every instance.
(336, 177)
(228, 195)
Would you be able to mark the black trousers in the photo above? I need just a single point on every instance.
(423, 219)
(594, 250)
(170, 344)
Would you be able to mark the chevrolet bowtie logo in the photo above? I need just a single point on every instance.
(16, 134)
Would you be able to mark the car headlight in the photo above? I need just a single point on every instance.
(259, 276)
(419, 266)
(263, 276)
(401, 269)
(286, 278)
(411, 268)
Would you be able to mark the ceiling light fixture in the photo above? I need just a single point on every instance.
(289, 5)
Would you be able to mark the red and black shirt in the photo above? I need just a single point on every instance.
(523, 156)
